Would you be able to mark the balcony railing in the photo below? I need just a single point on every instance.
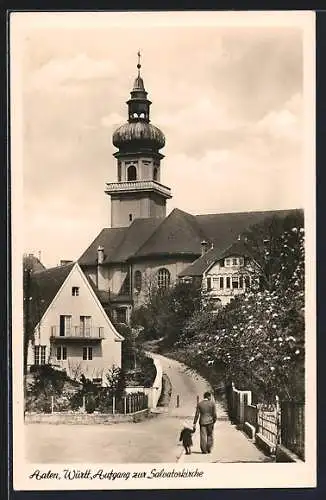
(116, 187)
(77, 332)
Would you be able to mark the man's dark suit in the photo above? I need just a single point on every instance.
(206, 412)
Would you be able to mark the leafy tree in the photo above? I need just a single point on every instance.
(259, 337)
(167, 311)
(28, 331)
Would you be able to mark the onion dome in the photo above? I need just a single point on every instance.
(138, 133)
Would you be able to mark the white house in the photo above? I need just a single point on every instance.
(71, 328)
(223, 273)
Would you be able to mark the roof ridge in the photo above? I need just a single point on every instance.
(193, 221)
(155, 231)
(175, 211)
(262, 211)
(125, 236)
(89, 246)
(51, 269)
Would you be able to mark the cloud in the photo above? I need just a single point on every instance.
(228, 101)
(65, 71)
(284, 122)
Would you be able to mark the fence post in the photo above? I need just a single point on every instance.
(125, 405)
(197, 399)
(84, 404)
(52, 404)
(113, 405)
(178, 401)
(278, 419)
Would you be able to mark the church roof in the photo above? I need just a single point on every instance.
(180, 233)
(135, 236)
(109, 239)
(224, 230)
(44, 286)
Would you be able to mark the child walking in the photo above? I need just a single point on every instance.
(186, 437)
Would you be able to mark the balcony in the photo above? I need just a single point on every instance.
(78, 333)
(137, 186)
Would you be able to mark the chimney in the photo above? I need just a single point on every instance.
(101, 281)
(65, 262)
(100, 255)
(204, 247)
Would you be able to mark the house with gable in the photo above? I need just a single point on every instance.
(70, 328)
(144, 248)
(221, 273)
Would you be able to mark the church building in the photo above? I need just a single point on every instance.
(143, 248)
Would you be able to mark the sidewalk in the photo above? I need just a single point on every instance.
(230, 444)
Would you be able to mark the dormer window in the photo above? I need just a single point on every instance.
(234, 261)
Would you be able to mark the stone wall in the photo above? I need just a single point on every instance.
(84, 418)
(154, 392)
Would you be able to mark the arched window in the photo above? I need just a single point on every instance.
(155, 174)
(132, 173)
(163, 278)
(138, 280)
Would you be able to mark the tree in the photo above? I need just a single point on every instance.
(259, 337)
(167, 311)
(28, 331)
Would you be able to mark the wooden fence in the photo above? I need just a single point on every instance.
(277, 422)
(131, 403)
(292, 427)
(267, 425)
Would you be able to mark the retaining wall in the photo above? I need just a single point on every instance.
(153, 392)
(84, 418)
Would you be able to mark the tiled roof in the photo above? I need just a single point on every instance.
(44, 286)
(178, 234)
(136, 235)
(109, 239)
(223, 230)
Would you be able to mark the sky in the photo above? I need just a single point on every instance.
(228, 99)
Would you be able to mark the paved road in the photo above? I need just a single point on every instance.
(151, 441)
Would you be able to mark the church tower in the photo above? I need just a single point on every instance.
(138, 192)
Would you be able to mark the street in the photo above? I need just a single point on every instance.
(152, 441)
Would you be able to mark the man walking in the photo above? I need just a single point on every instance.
(206, 412)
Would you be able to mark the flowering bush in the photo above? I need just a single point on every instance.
(258, 338)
